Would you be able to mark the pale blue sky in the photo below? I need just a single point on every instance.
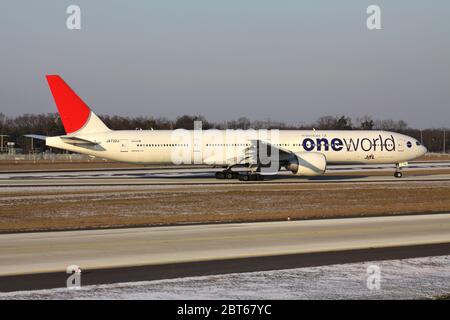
(290, 61)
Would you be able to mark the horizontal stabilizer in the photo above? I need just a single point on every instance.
(36, 136)
(78, 141)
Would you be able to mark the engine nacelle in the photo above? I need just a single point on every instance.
(308, 164)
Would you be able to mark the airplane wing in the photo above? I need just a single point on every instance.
(67, 139)
(253, 152)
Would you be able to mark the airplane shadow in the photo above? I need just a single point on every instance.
(206, 175)
(179, 176)
(318, 178)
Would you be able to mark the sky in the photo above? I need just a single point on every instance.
(290, 61)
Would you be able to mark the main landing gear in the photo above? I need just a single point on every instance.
(242, 176)
(227, 174)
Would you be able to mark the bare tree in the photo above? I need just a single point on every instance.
(366, 122)
(325, 123)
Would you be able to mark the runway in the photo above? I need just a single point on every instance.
(47, 252)
(437, 171)
(31, 261)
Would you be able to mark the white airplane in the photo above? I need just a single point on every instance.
(261, 152)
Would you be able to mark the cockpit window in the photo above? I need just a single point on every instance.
(409, 144)
(418, 143)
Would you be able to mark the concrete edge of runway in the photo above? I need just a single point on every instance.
(219, 223)
(51, 280)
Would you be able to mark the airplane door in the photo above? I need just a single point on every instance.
(124, 145)
(401, 145)
(198, 135)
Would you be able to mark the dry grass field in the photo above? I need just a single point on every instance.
(102, 207)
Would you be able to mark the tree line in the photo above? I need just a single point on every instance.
(50, 125)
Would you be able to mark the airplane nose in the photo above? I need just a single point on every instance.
(423, 150)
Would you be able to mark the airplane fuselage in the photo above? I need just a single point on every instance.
(159, 146)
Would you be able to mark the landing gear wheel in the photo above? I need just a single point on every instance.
(398, 170)
(227, 174)
(244, 177)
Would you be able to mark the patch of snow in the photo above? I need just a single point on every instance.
(400, 279)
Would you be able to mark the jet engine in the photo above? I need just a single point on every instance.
(307, 164)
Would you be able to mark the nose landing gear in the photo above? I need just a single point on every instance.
(398, 169)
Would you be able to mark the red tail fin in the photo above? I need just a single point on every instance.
(73, 111)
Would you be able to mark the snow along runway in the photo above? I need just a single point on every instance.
(416, 278)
